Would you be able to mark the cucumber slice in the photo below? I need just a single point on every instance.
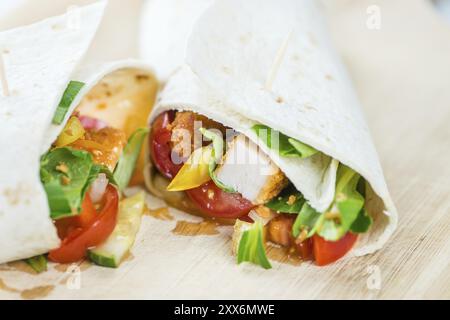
(114, 249)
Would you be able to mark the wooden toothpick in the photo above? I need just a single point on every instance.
(3, 79)
(277, 62)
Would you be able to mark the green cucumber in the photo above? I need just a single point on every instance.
(115, 248)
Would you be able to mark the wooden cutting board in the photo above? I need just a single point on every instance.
(402, 75)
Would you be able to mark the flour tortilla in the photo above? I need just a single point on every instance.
(39, 62)
(164, 30)
(276, 66)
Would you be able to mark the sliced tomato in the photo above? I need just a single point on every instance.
(326, 252)
(90, 231)
(160, 146)
(83, 220)
(215, 202)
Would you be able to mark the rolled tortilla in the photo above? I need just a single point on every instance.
(164, 30)
(276, 66)
(38, 62)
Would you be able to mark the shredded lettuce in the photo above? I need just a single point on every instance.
(73, 88)
(127, 162)
(348, 203)
(38, 263)
(251, 247)
(284, 145)
(346, 213)
(218, 147)
(306, 219)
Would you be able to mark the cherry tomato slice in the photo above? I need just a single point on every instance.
(160, 147)
(83, 220)
(74, 246)
(326, 252)
(218, 203)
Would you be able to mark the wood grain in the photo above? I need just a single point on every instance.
(402, 75)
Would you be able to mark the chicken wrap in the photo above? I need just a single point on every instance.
(72, 136)
(261, 127)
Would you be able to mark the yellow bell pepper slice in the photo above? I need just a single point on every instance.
(194, 172)
(72, 132)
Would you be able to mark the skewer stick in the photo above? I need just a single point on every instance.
(3, 79)
(277, 62)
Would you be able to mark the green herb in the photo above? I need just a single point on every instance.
(69, 95)
(218, 147)
(285, 146)
(251, 247)
(127, 162)
(38, 263)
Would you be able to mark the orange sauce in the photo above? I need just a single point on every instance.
(160, 213)
(187, 228)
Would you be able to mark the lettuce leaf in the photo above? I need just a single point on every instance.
(346, 213)
(347, 205)
(285, 146)
(37, 263)
(65, 173)
(284, 203)
(251, 247)
(127, 162)
(362, 222)
(308, 219)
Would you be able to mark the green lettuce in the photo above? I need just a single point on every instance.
(308, 219)
(67, 174)
(37, 263)
(346, 213)
(349, 206)
(287, 147)
(284, 204)
(251, 247)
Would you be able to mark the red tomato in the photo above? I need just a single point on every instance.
(160, 147)
(326, 252)
(80, 238)
(84, 219)
(217, 203)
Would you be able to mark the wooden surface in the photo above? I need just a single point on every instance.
(402, 75)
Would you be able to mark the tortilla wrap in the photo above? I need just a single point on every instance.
(164, 30)
(39, 61)
(243, 70)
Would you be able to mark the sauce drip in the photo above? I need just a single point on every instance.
(282, 255)
(36, 293)
(187, 228)
(160, 213)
